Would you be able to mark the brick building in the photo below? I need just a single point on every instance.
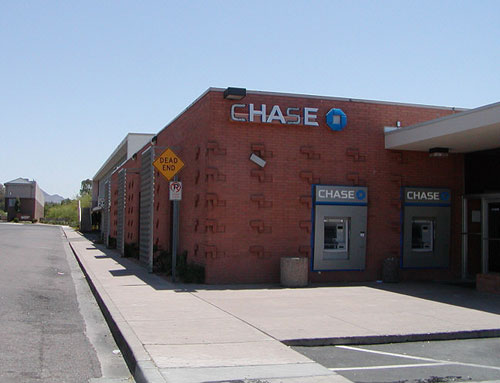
(346, 183)
(29, 197)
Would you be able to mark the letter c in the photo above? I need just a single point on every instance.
(233, 114)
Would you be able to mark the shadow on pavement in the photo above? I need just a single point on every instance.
(452, 294)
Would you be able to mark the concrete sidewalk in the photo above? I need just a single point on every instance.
(197, 333)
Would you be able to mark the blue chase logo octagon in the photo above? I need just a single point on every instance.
(336, 119)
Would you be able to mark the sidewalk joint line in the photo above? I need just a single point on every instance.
(234, 316)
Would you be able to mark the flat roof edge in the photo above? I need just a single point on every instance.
(445, 118)
(211, 89)
(117, 149)
(318, 97)
(302, 95)
(140, 134)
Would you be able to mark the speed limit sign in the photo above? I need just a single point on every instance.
(175, 189)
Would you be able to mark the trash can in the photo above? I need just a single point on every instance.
(294, 271)
(390, 270)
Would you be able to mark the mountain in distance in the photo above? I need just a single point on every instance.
(54, 198)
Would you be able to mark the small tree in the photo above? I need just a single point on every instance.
(17, 205)
(85, 200)
(86, 187)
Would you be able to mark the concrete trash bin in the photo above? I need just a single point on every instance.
(294, 271)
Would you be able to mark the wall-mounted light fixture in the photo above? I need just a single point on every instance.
(438, 152)
(235, 93)
(134, 156)
(154, 140)
(256, 159)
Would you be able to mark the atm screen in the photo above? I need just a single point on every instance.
(422, 235)
(336, 233)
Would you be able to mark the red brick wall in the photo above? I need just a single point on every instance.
(239, 220)
(187, 136)
(27, 208)
(267, 213)
(132, 209)
(132, 190)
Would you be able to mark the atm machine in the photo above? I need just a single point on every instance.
(426, 227)
(339, 235)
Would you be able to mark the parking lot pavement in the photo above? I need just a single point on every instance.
(471, 360)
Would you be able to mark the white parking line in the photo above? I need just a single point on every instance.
(389, 366)
(390, 354)
(434, 361)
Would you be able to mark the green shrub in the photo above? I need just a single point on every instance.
(164, 261)
(65, 213)
(16, 220)
(189, 272)
(194, 273)
(111, 243)
(131, 250)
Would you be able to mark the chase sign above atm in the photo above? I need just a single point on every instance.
(336, 119)
(344, 195)
(426, 196)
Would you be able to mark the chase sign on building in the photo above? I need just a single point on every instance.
(336, 119)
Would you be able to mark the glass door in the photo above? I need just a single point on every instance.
(472, 238)
(493, 240)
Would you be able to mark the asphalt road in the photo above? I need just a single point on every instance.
(51, 329)
(471, 360)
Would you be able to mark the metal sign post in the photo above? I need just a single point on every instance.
(174, 192)
(168, 164)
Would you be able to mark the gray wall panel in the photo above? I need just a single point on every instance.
(146, 208)
(122, 194)
(105, 212)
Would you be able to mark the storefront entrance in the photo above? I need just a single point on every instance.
(493, 237)
(481, 235)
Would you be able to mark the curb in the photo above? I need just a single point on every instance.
(383, 339)
(138, 360)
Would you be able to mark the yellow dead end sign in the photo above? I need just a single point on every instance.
(168, 164)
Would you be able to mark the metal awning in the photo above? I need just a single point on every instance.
(469, 131)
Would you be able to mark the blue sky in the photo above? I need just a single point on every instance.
(77, 76)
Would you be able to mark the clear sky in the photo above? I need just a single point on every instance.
(77, 76)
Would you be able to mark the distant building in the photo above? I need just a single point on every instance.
(30, 197)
